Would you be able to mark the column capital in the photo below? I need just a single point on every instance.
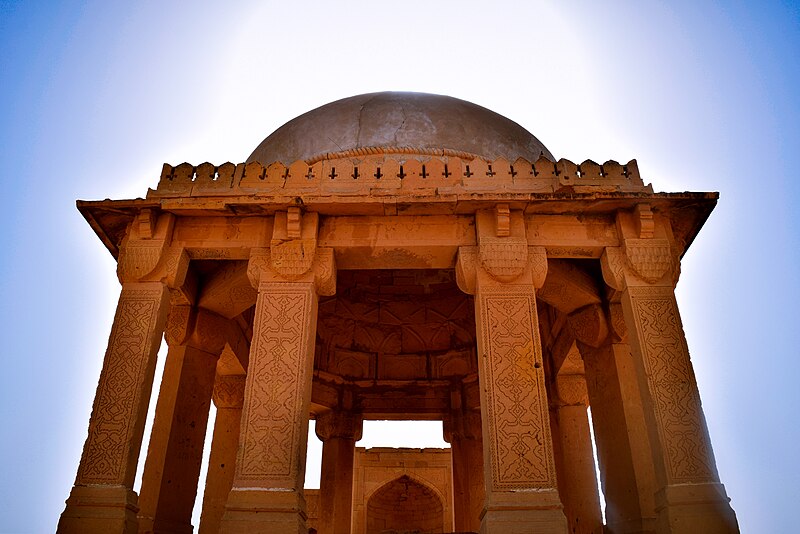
(502, 253)
(640, 262)
(589, 325)
(146, 254)
(572, 390)
(229, 391)
(462, 425)
(203, 330)
(339, 424)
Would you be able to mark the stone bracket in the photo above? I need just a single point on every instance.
(322, 270)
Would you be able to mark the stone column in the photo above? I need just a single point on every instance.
(520, 477)
(174, 457)
(463, 432)
(623, 447)
(228, 398)
(578, 485)
(689, 497)
(102, 499)
(267, 493)
(339, 431)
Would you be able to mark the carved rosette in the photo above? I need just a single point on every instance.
(229, 391)
(504, 258)
(650, 259)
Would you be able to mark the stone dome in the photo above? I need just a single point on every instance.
(399, 122)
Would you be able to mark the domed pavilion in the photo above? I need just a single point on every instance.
(400, 256)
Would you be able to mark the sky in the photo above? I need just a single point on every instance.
(95, 96)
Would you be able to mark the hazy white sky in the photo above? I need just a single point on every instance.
(95, 96)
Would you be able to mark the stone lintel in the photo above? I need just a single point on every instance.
(110, 218)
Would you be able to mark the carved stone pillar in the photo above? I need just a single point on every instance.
(520, 477)
(463, 432)
(689, 497)
(174, 457)
(102, 499)
(228, 398)
(339, 431)
(267, 489)
(623, 446)
(578, 484)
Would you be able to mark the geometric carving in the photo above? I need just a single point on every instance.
(572, 390)
(513, 384)
(274, 412)
(537, 259)
(504, 258)
(138, 258)
(293, 258)
(229, 391)
(671, 380)
(112, 447)
(589, 325)
(612, 264)
(650, 259)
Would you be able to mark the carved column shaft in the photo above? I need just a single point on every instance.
(270, 466)
(102, 499)
(228, 398)
(643, 271)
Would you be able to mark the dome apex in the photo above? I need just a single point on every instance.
(399, 122)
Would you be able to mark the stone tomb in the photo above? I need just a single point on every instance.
(400, 256)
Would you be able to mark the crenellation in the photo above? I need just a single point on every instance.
(380, 174)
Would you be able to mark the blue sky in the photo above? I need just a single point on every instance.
(95, 96)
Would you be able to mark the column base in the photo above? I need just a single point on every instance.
(100, 510)
(524, 511)
(689, 508)
(264, 511)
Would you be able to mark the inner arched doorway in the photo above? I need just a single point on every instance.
(404, 505)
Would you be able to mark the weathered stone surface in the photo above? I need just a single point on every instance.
(401, 256)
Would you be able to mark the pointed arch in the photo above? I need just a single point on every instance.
(405, 504)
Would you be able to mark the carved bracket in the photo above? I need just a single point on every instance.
(572, 390)
(323, 269)
(229, 391)
(339, 424)
(503, 258)
(648, 259)
(294, 243)
(589, 325)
